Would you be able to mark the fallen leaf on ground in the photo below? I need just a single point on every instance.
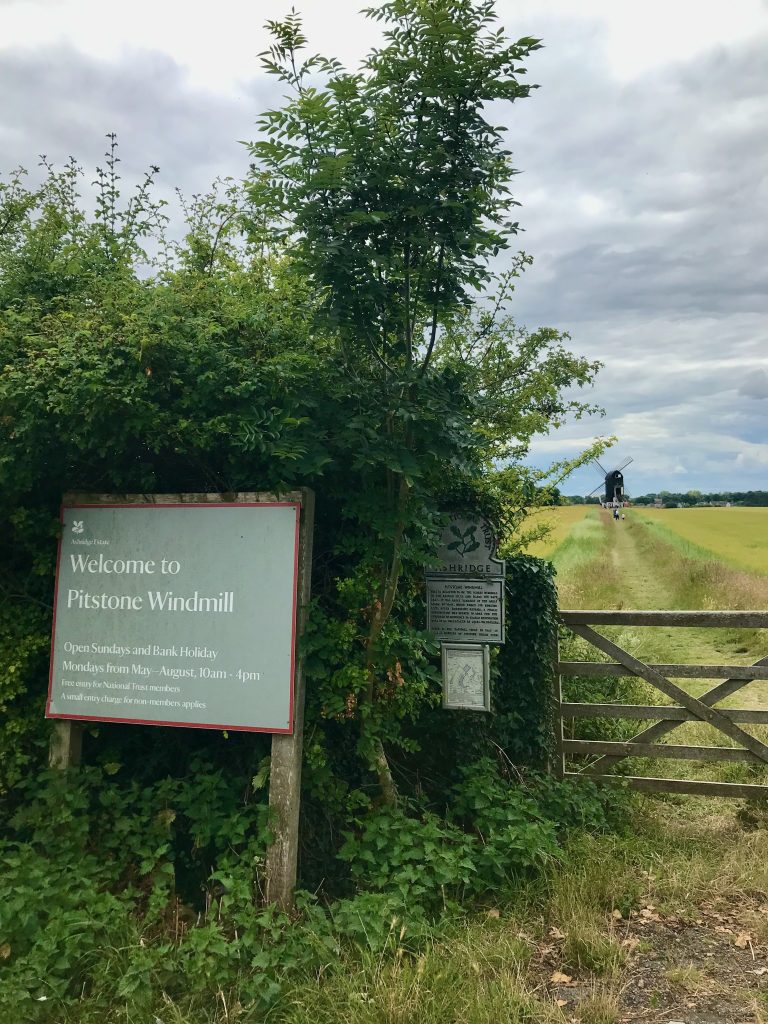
(556, 933)
(648, 914)
(742, 940)
(617, 915)
(561, 1002)
(558, 978)
(493, 913)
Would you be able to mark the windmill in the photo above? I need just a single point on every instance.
(613, 482)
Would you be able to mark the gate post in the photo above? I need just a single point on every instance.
(558, 761)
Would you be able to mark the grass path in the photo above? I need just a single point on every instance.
(633, 568)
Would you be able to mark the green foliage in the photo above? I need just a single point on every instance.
(394, 190)
(393, 182)
(92, 880)
(517, 377)
(524, 701)
(93, 912)
(415, 857)
(496, 830)
(513, 834)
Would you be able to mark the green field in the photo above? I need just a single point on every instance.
(738, 536)
(560, 520)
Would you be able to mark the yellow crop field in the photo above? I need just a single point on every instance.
(562, 519)
(735, 535)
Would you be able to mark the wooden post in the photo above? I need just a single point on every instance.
(285, 772)
(558, 764)
(66, 746)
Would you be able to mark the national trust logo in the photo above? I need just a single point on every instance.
(77, 526)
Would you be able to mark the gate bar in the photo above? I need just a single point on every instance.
(735, 620)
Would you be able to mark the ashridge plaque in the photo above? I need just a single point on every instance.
(180, 615)
(466, 609)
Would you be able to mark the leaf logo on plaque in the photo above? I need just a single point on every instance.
(467, 547)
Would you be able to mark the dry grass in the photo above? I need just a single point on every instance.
(600, 1008)
(688, 979)
(475, 975)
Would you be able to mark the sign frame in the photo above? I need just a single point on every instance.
(200, 502)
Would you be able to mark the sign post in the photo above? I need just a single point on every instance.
(285, 772)
(465, 609)
(185, 610)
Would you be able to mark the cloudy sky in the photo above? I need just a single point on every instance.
(644, 184)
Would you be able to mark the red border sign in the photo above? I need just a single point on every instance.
(191, 506)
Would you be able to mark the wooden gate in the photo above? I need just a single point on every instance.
(685, 709)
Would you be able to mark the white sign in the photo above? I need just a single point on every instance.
(466, 677)
(177, 614)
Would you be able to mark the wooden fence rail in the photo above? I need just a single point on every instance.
(668, 717)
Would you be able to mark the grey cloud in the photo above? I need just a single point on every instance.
(755, 385)
(61, 103)
(679, 162)
(662, 271)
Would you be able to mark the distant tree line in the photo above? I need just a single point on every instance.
(688, 498)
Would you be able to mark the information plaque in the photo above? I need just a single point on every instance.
(466, 677)
(177, 614)
(466, 609)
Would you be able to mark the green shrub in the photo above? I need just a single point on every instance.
(417, 857)
(513, 834)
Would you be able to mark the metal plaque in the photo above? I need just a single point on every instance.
(178, 615)
(468, 548)
(466, 609)
(466, 677)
